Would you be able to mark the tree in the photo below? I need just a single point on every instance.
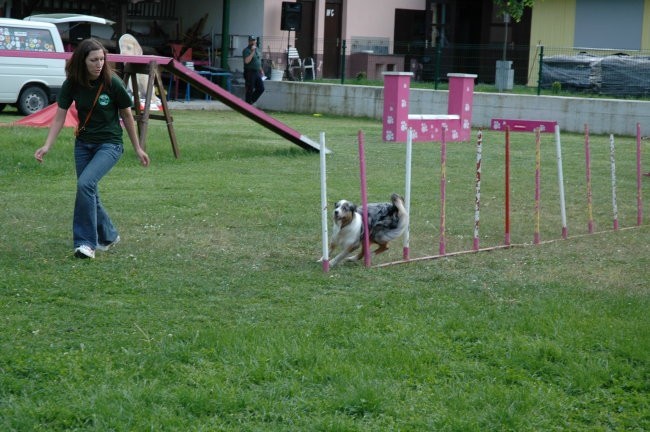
(514, 8)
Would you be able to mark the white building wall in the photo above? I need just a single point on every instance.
(373, 19)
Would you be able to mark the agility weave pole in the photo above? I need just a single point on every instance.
(443, 191)
(407, 193)
(477, 199)
(538, 168)
(323, 203)
(506, 239)
(612, 162)
(590, 209)
(639, 195)
(560, 181)
(364, 200)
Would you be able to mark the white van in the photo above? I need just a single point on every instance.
(29, 83)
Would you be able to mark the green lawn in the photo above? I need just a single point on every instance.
(213, 313)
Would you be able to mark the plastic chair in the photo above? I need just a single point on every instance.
(295, 64)
(309, 68)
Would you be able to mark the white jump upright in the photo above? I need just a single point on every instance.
(323, 202)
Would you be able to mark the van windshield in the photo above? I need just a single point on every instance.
(25, 39)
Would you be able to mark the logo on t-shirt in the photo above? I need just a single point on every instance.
(104, 99)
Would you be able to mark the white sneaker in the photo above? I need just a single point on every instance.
(105, 247)
(84, 251)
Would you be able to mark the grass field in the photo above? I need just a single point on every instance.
(213, 313)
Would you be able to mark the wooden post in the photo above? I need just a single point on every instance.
(142, 116)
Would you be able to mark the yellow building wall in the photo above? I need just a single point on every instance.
(553, 23)
(553, 26)
(645, 35)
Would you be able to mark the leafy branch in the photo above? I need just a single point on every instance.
(515, 8)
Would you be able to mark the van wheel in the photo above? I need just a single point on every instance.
(31, 100)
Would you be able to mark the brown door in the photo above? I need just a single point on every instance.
(332, 39)
(305, 37)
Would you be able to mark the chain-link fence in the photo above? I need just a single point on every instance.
(616, 73)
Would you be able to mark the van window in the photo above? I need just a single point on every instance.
(25, 39)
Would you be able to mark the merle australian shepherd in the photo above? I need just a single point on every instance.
(386, 222)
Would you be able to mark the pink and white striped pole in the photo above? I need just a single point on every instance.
(639, 198)
(364, 200)
(538, 163)
(407, 193)
(443, 189)
(477, 200)
(612, 161)
(507, 188)
(590, 213)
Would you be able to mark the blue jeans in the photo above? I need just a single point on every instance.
(91, 224)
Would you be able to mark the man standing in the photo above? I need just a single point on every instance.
(253, 71)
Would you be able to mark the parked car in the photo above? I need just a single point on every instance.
(74, 28)
(29, 83)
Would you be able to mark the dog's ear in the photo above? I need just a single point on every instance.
(353, 207)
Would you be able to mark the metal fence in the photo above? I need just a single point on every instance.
(434, 63)
(616, 73)
(612, 73)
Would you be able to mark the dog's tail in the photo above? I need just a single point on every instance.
(403, 215)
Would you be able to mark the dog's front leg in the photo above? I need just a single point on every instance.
(332, 247)
(381, 248)
(343, 255)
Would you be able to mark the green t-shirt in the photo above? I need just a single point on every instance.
(255, 63)
(104, 123)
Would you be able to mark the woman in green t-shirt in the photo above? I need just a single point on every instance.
(101, 100)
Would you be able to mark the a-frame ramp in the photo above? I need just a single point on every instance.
(201, 83)
(205, 85)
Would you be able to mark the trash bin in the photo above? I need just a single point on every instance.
(504, 75)
(277, 74)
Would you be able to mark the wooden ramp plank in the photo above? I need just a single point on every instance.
(177, 68)
(206, 86)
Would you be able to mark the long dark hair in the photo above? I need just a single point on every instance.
(76, 69)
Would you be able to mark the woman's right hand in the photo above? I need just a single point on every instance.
(39, 153)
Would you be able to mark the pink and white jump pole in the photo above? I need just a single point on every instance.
(477, 200)
(323, 202)
(407, 193)
(443, 189)
(639, 199)
(507, 188)
(538, 166)
(364, 200)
